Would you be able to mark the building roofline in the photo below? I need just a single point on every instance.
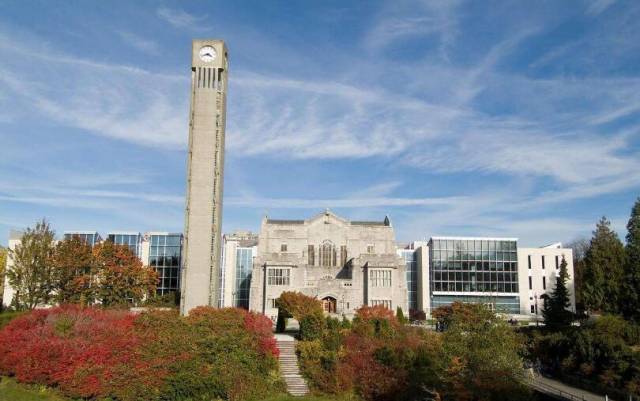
(474, 238)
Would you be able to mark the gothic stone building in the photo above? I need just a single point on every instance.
(345, 264)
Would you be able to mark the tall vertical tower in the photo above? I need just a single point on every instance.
(205, 163)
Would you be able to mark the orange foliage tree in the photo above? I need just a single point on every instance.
(122, 278)
(74, 271)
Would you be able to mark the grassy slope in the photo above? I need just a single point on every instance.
(12, 391)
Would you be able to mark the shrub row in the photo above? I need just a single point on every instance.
(158, 355)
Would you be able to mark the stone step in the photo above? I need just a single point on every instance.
(289, 369)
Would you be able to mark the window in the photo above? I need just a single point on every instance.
(533, 309)
(327, 254)
(278, 277)
(544, 283)
(380, 278)
(384, 302)
(343, 255)
(543, 261)
(371, 249)
(271, 303)
(557, 263)
(311, 255)
(283, 248)
(530, 283)
(529, 262)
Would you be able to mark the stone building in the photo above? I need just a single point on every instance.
(345, 264)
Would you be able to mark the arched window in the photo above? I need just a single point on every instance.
(327, 254)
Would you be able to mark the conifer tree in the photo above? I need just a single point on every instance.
(555, 310)
(603, 270)
(630, 305)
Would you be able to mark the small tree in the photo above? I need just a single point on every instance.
(122, 279)
(631, 284)
(74, 272)
(555, 310)
(31, 273)
(400, 316)
(3, 265)
(603, 270)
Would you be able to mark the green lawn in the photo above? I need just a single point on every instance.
(12, 391)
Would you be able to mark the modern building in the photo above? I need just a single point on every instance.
(345, 264)
(238, 253)
(205, 164)
(163, 252)
(90, 237)
(131, 239)
(160, 250)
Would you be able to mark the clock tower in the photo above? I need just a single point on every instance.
(205, 164)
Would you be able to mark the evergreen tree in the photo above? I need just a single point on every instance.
(31, 273)
(555, 310)
(603, 270)
(400, 315)
(630, 305)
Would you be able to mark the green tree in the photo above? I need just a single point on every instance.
(400, 315)
(579, 246)
(74, 272)
(481, 355)
(603, 270)
(122, 279)
(631, 283)
(555, 310)
(31, 274)
(3, 265)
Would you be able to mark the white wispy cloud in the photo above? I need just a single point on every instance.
(599, 6)
(138, 42)
(180, 18)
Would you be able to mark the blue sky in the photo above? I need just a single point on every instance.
(452, 117)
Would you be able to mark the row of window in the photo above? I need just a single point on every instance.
(475, 287)
(557, 258)
(544, 283)
(278, 277)
(474, 245)
(328, 254)
(472, 276)
(474, 255)
(380, 278)
(384, 302)
(476, 266)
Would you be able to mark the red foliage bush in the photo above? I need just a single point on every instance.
(91, 352)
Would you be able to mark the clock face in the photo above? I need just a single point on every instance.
(207, 54)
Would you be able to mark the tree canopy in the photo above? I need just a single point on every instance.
(555, 310)
(603, 270)
(631, 283)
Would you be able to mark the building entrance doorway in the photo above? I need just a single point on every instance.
(329, 304)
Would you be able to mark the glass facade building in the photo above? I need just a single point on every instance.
(474, 270)
(409, 257)
(133, 241)
(90, 237)
(164, 257)
(244, 264)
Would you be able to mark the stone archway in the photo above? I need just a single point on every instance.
(329, 304)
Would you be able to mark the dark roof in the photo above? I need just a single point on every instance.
(368, 223)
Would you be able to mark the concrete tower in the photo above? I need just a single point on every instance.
(205, 163)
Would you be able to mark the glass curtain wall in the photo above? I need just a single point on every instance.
(409, 257)
(164, 257)
(244, 263)
(133, 241)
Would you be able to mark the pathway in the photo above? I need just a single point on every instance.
(560, 390)
(296, 385)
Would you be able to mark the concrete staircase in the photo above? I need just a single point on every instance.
(296, 385)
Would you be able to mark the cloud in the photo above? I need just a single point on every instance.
(138, 42)
(599, 6)
(180, 18)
